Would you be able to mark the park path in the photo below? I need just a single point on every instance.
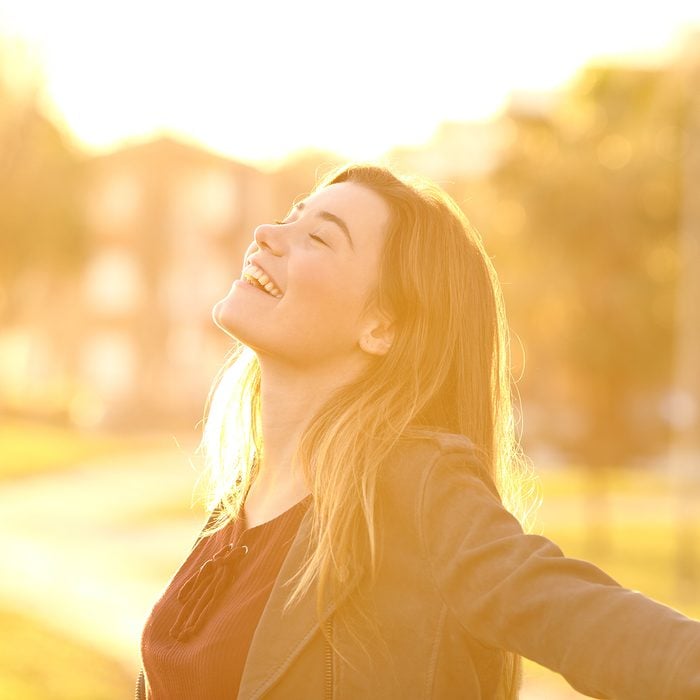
(87, 551)
(82, 551)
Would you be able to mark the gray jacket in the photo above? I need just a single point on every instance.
(458, 581)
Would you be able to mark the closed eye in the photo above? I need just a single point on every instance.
(317, 238)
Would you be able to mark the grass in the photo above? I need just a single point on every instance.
(39, 664)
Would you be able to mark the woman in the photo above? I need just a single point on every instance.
(361, 445)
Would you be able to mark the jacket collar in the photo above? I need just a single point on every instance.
(281, 636)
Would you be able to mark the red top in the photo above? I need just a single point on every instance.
(196, 640)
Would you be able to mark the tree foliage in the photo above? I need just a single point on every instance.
(40, 221)
(599, 181)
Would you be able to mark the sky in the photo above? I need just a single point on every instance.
(257, 81)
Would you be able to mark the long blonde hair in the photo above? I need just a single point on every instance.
(448, 369)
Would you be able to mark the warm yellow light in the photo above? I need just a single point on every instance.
(259, 80)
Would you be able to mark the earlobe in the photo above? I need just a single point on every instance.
(378, 340)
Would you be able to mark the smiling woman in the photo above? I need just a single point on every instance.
(362, 541)
(316, 268)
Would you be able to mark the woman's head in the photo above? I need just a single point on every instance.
(386, 277)
(322, 263)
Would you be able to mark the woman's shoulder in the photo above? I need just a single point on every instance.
(420, 448)
(421, 453)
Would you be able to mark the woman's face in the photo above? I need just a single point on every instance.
(322, 262)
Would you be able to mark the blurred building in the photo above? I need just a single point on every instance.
(124, 337)
(168, 224)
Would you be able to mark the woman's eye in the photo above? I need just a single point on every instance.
(278, 222)
(317, 238)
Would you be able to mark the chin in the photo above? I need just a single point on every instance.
(230, 321)
(222, 319)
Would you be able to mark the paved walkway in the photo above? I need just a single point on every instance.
(82, 553)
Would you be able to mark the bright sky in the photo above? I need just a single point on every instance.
(256, 80)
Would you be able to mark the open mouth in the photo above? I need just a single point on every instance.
(259, 279)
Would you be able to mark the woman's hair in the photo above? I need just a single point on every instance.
(448, 369)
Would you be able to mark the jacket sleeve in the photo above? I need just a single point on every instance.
(520, 593)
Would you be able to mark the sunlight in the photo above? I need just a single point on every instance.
(256, 85)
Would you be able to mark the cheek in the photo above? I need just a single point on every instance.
(333, 291)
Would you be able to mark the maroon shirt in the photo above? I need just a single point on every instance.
(196, 640)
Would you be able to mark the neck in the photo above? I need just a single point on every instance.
(290, 397)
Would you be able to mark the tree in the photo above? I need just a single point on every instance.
(40, 220)
(599, 180)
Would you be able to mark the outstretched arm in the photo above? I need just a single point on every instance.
(519, 592)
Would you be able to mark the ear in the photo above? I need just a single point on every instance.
(377, 335)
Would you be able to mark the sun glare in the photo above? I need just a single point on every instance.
(257, 84)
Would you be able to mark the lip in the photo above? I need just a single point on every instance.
(255, 261)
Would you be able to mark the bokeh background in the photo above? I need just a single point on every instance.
(141, 143)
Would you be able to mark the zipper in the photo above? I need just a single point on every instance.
(328, 684)
(139, 685)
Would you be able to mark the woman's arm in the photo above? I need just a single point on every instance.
(520, 593)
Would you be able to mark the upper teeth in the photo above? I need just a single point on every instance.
(253, 271)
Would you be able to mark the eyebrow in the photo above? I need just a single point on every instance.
(327, 216)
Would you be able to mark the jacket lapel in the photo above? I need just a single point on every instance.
(280, 637)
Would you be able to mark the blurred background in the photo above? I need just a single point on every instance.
(140, 145)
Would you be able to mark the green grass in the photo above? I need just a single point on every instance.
(39, 664)
(27, 448)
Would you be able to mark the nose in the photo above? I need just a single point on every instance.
(266, 236)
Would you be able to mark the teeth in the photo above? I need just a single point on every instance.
(253, 272)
